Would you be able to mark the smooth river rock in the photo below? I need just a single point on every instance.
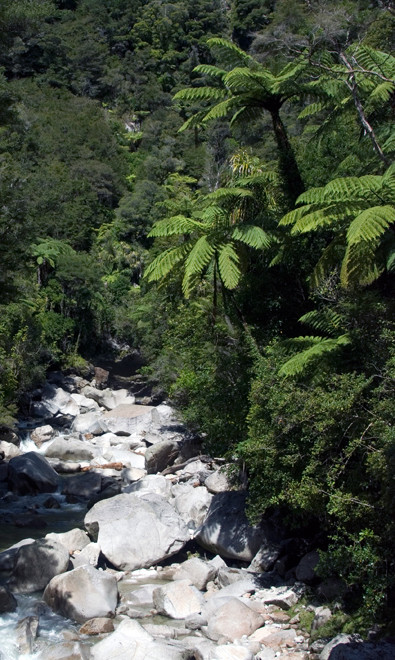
(136, 532)
(131, 642)
(82, 594)
(31, 474)
(36, 564)
(226, 530)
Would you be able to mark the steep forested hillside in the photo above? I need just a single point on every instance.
(213, 183)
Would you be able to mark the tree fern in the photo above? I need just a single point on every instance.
(161, 266)
(228, 265)
(324, 320)
(360, 211)
(175, 225)
(253, 236)
(317, 349)
(371, 224)
(228, 52)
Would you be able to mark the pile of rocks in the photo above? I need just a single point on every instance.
(151, 496)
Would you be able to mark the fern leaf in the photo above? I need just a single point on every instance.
(324, 320)
(360, 265)
(165, 262)
(319, 348)
(312, 109)
(295, 215)
(252, 235)
(245, 114)
(213, 214)
(316, 220)
(243, 80)
(382, 93)
(220, 110)
(200, 94)
(177, 224)
(228, 265)
(192, 121)
(390, 265)
(347, 188)
(199, 256)
(371, 224)
(210, 70)
(228, 52)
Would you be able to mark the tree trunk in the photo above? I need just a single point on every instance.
(288, 166)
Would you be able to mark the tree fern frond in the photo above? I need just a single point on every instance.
(293, 216)
(200, 94)
(352, 187)
(371, 224)
(325, 320)
(228, 52)
(390, 264)
(199, 256)
(220, 110)
(228, 265)
(213, 214)
(246, 113)
(253, 236)
(317, 219)
(177, 224)
(210, 70)
(242, 79)
(261, 179)
(194, 120)
(381, 94)
(312, 109)
(360, 265)
(389, 144)
(319, 348)
(375, 60)
(165, 262)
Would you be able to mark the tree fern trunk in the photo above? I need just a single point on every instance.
(288, 166)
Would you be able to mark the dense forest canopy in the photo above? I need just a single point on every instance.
(214, 183)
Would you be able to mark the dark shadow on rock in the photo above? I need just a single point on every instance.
(384, 650)
(226, 529)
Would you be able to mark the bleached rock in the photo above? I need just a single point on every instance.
(42, 434)
(178, 599)
(192, 503)
(83, 593)
(197, 571)
(71, 450)
(232, 620)
(136, 532)
(74, 539)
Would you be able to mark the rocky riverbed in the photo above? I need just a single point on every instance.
(139, 547)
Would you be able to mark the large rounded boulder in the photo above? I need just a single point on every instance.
(36, 564)
(136, 531)
(226, 530)
(31, 474)
(83, 594)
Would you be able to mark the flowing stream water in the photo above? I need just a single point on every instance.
(15, 513)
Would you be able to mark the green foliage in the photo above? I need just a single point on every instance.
(349, 207)
(211, 236)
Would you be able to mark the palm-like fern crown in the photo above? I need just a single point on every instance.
(361, 211)
(247, 87)
(214, 231)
